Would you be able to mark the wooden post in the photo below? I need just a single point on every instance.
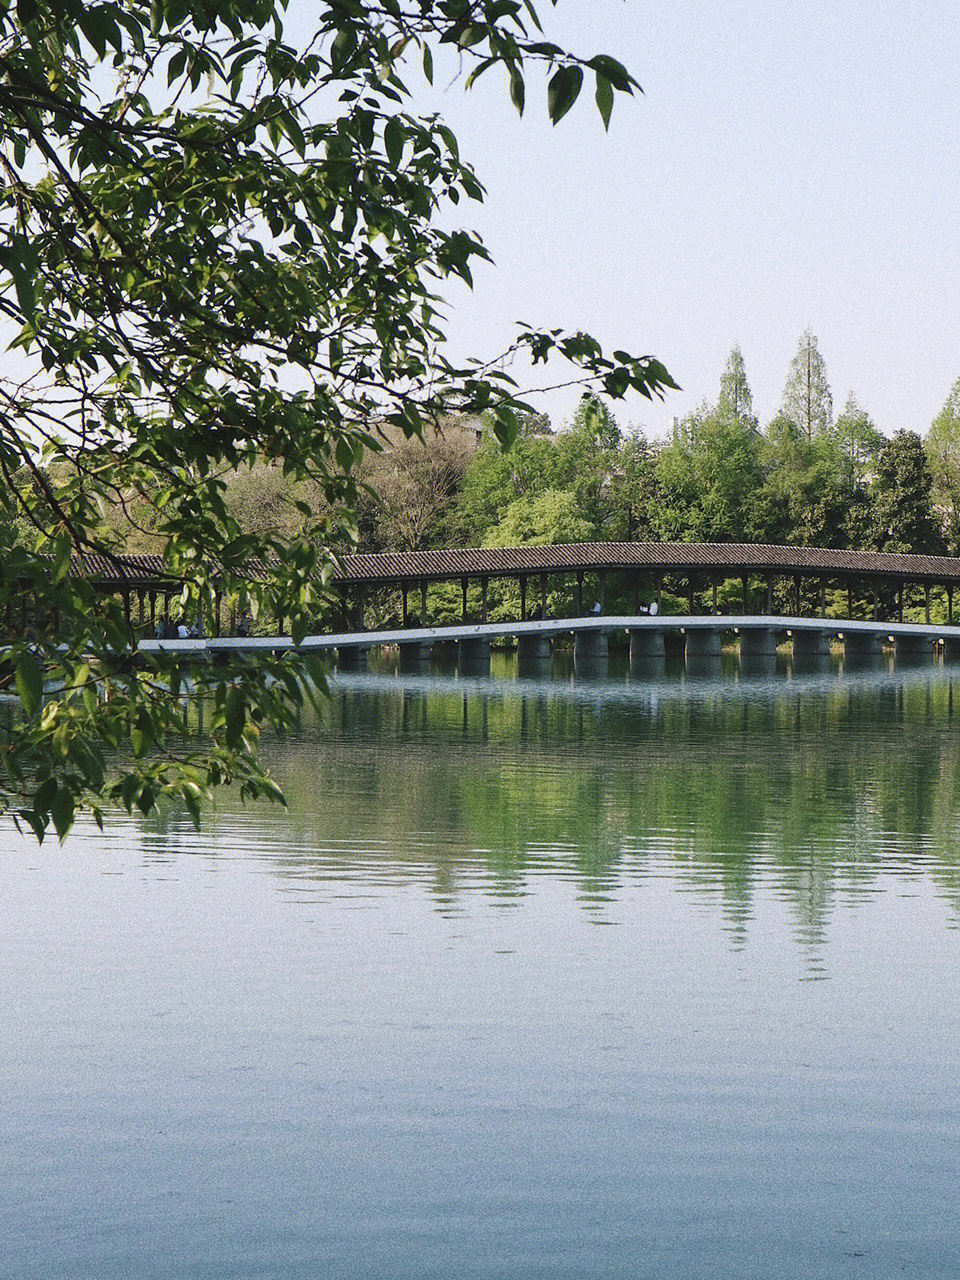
(714, 597)
(153, 611)
(900, 602)
(849, 599)
(483, 599)
(690, 596)
(796, 593)
(823, 598)
(463, 593)
(543, 595)
(361, 605)
(579, 593)
(636, 594)
(601, 587)
(423, 602)
(743, 595)
(876, 604)
(659, 592)
(403, 605)
(523, 598)
(926, 601)
(950, 606)
(217, 615)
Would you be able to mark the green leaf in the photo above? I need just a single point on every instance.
(235, 717)
(29, 682)
(615, 72)
(604, 98)
(63, 809)
(21, 260)
(472, 34)
(394, 136)
(428, 63)
(516, 88)
(562, 91)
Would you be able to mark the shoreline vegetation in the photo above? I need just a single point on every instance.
(717, 477)
(805, 478)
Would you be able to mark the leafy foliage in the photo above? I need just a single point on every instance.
(903, 517)
(546, 519)
(219, 248)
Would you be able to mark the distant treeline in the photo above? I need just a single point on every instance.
(806, 477)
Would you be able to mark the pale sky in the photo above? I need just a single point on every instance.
(789, 165)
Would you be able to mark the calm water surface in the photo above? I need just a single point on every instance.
(535, 979)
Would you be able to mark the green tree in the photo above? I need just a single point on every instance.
(589, 461)
(902, 506)
(860, 441)
(496, 477)
(736, 398)
(635, 494)
(543, 519)
(806, 396)
(219, 245)
(943, 455)
(708, 479)
(803, 498)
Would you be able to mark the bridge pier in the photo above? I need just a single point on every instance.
(646, 644)
(532, 646)
(758, 642)
(414, 655)
(862, 644)
(913, 646)
(811, 644)
(590, 646)
(951, 649)
(703, 642)
(352, 658)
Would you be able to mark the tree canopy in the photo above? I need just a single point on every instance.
(222, 245)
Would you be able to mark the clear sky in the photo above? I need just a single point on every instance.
(789, 165)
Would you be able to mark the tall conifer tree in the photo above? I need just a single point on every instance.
(806, 397)
(736, 398)
(943, 453)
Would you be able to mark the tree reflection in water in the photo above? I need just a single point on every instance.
(821, 788)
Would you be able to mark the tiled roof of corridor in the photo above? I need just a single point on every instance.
(733, 558)
(729, 558)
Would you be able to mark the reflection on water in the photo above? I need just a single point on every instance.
(380, 1034)
(816, 788)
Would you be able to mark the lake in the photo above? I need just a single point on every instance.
(535, 979)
